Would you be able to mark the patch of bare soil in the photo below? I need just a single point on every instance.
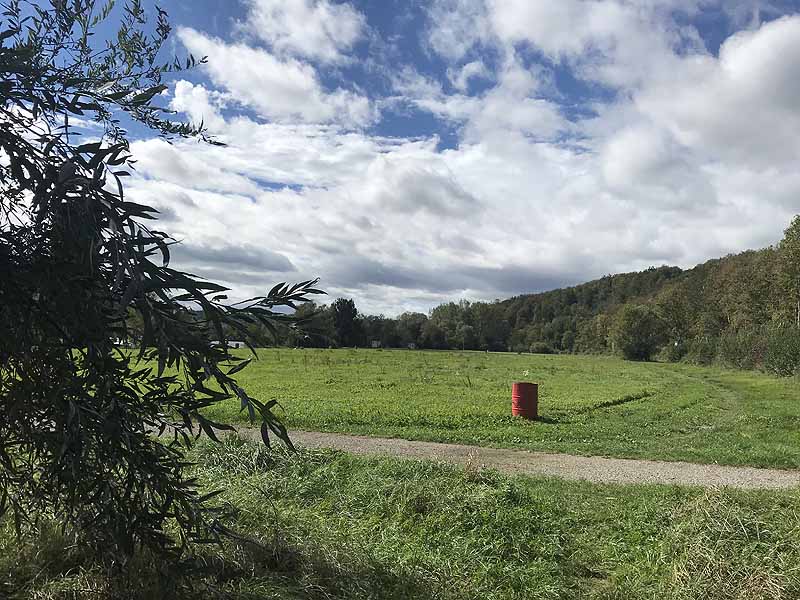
(520, 462)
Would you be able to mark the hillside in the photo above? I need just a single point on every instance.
(556, 317)
(738, 308)
(739, 291)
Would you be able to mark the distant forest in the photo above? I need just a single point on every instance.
(742, 310)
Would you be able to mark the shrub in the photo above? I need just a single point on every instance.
(702, 350)
(673, 351)
(541, 348)
(638, 332)
(782, 355)
(743, 349)
(81, 415)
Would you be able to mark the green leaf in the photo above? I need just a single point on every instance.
(236, 368)
(265, 434)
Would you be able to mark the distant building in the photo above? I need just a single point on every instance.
(231, 344)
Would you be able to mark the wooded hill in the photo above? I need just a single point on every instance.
(743, 309)
(577, 318)
(737, 292)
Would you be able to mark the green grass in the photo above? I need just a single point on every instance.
(659, 411)
(331, 525)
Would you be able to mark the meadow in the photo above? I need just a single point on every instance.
(588, 405)
(326, 525)
(321, 524)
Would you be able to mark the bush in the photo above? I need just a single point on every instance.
(638, 332)
(782, 355)
(702, 351)
(742, 349)
(673, 351)
(541, 348)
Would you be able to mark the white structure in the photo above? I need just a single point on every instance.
(231, 344)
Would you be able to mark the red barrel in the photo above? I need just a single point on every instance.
(525, 400)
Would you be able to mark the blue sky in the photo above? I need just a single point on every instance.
(410, 153)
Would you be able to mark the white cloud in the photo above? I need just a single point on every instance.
(200, 105)
(315, 29)
(567, 27)
(457, 26)
(461, 77)
(278, 89)
(160, 160)
(514, 104)
(691, 157)
(741, 107)
(647, 163)
(614, 42)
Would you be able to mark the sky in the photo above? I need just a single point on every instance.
(412, 153)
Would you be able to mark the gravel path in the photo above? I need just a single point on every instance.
(565, 466)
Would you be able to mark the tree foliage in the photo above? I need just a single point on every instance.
(345, 322)
(789, 252)
(81, 416)
(638, 332)
(740, 310)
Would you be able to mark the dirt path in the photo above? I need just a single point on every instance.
(565, 466)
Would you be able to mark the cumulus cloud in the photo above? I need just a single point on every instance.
(456, 26)
(515, 104)
(461, 77)
(162, 161)
(200, 105)
(740, 106)
(316, 29)
(412, 187)
(278, 89)
(668, 152)
(241, 257)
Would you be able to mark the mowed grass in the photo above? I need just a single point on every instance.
(588, 405)
(322, 525)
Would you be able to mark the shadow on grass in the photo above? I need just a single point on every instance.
(310, 571)
(51, 566)
(615, 402)
(548, 420)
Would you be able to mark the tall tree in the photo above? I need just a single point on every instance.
(638, 332)
(789, 253)
(409, 328)
(345, 322)
(81, 416)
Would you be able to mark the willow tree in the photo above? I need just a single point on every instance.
(81, 417)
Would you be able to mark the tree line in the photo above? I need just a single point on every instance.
(742, 310)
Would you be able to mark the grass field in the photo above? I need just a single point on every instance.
(330, 525)
(588, 405)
